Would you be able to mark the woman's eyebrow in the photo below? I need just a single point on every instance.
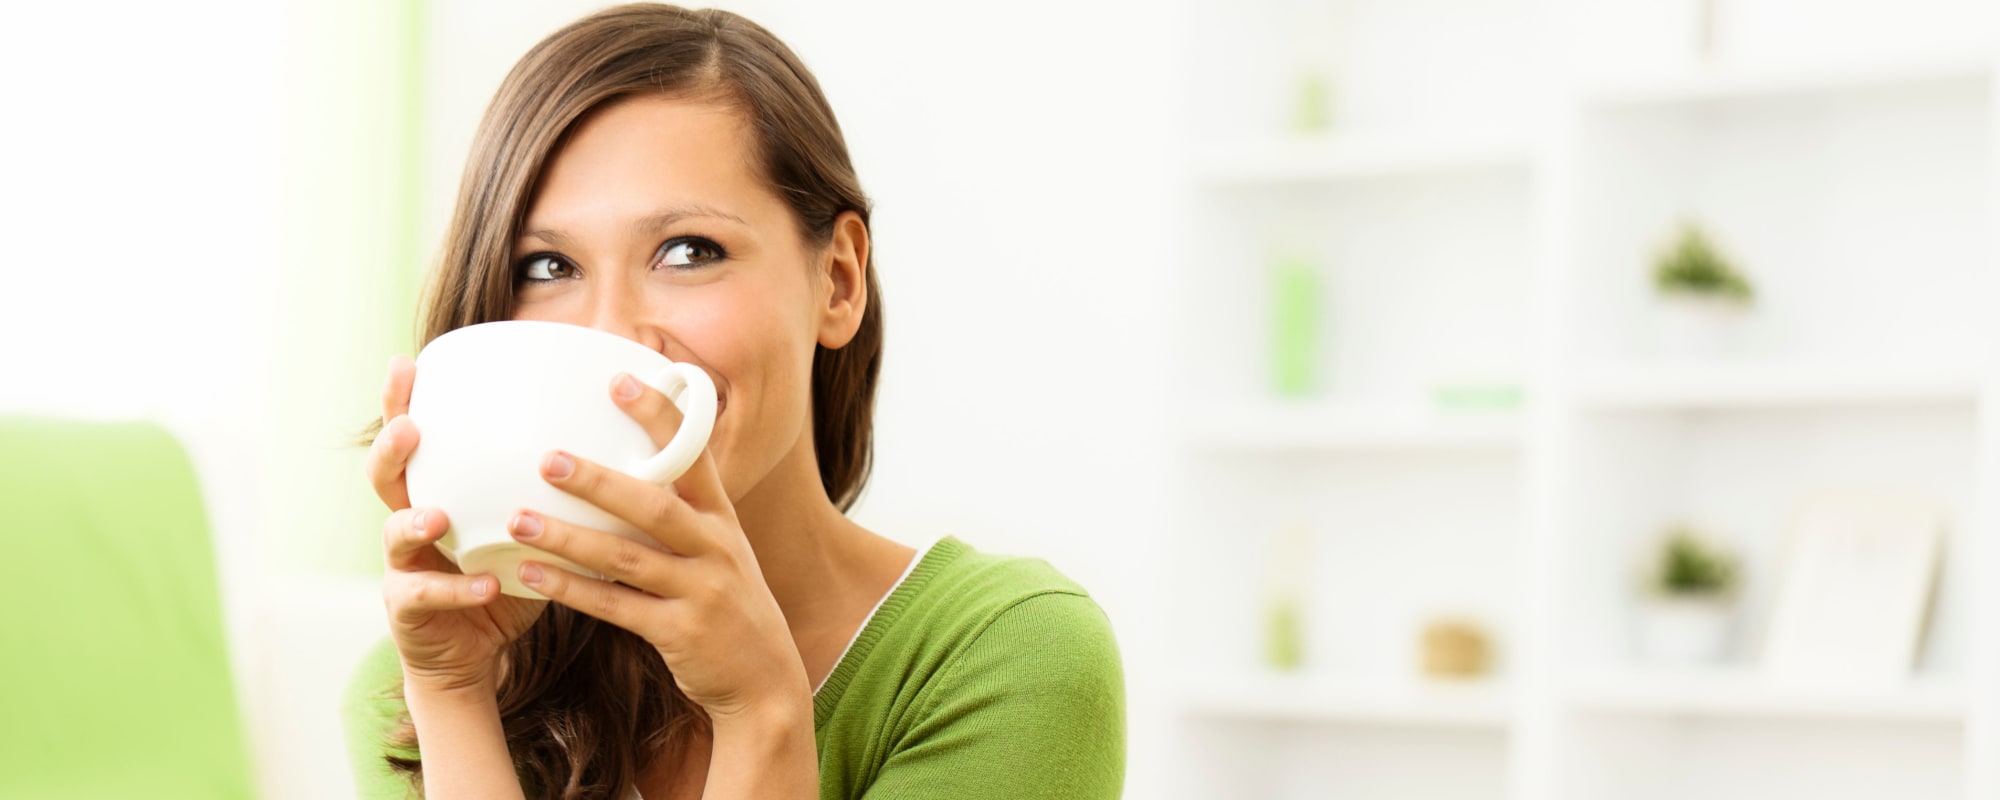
(642, 226)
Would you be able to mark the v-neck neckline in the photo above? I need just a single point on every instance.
(923, 567)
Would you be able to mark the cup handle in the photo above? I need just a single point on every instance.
(694, 394)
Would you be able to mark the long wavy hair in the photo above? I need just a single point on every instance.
(584, 703)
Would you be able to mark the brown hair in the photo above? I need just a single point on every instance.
(584, 702)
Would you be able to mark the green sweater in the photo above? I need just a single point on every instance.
(980, 676)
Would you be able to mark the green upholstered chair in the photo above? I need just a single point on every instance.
(114, 673)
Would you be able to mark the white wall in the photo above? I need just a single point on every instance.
(138, 179)
(174, 254)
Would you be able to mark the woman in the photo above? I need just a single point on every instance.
(676, 177)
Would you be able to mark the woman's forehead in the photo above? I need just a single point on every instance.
(648, 157)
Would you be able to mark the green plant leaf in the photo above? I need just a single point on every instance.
(1691, 265)
(1690, 566)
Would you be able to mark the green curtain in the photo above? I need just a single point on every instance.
(354, 232)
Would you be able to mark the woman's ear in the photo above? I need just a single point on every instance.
(843, 281)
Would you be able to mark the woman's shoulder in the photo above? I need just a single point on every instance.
(380, 666)
(371, 711)
(964, 610)
(374, 684)
(967, 590)
(373, 700)
(995, 671)
(981, 580)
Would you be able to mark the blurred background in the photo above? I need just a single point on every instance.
(1444, 398)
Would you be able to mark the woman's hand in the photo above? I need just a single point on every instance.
(449, 627)
(694, 592)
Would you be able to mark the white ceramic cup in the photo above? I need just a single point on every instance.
(490, 400)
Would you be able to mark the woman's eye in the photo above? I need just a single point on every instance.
(688, 252)
(546, 268)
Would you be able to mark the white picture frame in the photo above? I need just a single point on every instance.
(1854, 588)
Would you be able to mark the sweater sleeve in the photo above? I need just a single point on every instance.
(1032, 707)
(369, 712)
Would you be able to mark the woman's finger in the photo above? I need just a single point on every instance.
(388, 457)
(409, 540)
(646, 405)
(662, 421)
(649, 507)
(410, 595)
(621, 606)
(641, 566)
(701, 485)
(396, 390)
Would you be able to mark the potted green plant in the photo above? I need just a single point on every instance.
(1703, 296)
(1689, 600)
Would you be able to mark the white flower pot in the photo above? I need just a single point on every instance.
(1684, 631)
(1689, 327)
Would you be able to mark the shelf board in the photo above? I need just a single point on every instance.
(1341, 157)
(1717, 83)
(1266, 697)
(1745, 693)
(1304, 427)
(1751, 385)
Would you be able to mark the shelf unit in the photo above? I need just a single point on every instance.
(1472, 706)
(1283, 427)
(1707, 83)
(1497, 223)
(1333, 158)
(1743, 693)
(1772, 385)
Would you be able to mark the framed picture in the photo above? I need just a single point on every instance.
(1854, 588)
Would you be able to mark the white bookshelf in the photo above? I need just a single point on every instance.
(1481, 705)
(1330, 428)
(1337, 157)
(1499, 222)
(1709, 83)
(1773, 385)
(1749, 694)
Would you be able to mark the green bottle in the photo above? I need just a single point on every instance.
(1284, 641)
(1294, 326)
(1285, 599)
(1312, 103)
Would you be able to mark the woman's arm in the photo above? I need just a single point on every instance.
(1034, 709)
(771, 755)
(465, 749)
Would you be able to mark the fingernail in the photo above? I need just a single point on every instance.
(531, 573)
(421, 525)
(558, 466)
(526, 526)
(625, 388)
(480, 588)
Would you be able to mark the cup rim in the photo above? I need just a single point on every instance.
(567, 329)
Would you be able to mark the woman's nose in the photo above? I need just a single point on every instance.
(626, 319)
(647, 335)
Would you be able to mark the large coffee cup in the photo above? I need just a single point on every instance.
(490, 400)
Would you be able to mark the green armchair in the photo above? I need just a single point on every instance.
(114, 672)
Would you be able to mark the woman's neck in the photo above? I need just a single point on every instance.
(825, 571)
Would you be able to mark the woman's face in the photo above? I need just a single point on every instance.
(652, 223)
